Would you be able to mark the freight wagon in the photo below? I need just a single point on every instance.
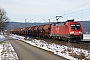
(67, 31)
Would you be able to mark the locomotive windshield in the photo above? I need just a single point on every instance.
(75, 26)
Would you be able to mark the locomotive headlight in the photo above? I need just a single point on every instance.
(80, 32)
(71, 32)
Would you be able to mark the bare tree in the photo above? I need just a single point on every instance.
(3, 19)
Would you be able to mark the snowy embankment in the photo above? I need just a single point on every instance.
(2, 37)
(6, 50)
(67, 52)
(86, 37)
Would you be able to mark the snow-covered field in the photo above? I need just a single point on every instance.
(86, 37)
(67, 52)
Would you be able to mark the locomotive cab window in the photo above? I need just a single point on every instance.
(75, 26)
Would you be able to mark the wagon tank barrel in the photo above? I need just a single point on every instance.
(47, 27)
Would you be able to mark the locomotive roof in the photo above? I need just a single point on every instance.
(64, 22)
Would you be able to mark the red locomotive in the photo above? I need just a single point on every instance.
(68, 31)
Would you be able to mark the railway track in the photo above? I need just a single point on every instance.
(83, 44)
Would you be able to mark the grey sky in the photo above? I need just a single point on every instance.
(19, 10)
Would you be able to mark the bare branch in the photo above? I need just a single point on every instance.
(3, 19)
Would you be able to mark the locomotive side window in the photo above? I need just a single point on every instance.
(66, 27)
(75, 26)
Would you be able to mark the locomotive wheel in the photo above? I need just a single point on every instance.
(78, 40)
(69, 40)
(74, 40)
(66, 40)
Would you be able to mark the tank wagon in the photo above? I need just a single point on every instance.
(36, 30)
(47, 30)
(68, 31)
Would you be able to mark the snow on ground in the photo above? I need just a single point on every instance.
(67, 52)
(2, 37)
(86, 37)
(6, 50)
(17, 37)
(1, 48)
